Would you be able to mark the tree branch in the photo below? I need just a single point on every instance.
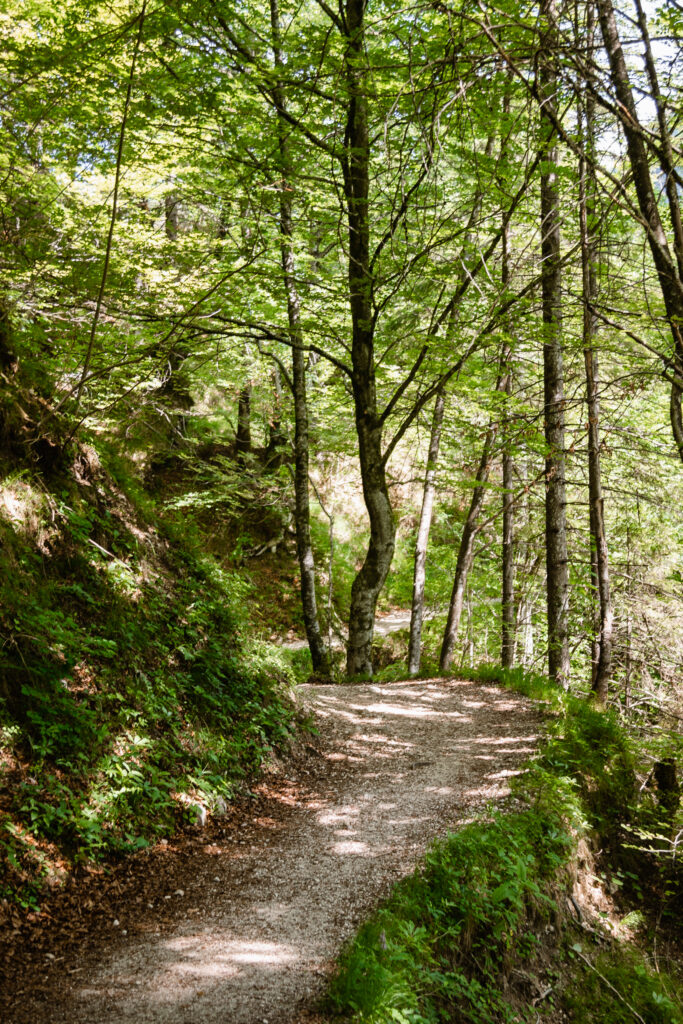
(112, 221)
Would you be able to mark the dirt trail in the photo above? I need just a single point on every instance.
(255, 928)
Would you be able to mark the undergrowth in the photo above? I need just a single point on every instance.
(129, 700)
(484, 931)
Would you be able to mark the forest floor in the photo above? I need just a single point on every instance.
(241, 921)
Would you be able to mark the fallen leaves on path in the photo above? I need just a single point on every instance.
(242, 921)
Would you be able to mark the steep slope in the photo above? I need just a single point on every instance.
(129, 701)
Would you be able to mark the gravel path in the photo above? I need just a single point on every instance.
(255, 929)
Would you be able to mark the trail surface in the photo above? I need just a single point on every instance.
(251, 933)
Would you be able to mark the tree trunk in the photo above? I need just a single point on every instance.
(603, 662)
(669, 268)
(466, 554)
(319, 654)
(355, 166)
(508, 574)
(602, 639)
(507, 650)
(526, 625)
(175, 390)
(277, 438)
(8, 360)
(243, 435)
(553, 374)
(171, 216)
(419, 572)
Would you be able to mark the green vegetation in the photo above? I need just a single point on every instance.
(485, 930)
(131, 697)
(307, 311)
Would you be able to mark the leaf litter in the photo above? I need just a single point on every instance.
(242, 920)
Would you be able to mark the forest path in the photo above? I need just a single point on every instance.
(385, 623)
(251, 933)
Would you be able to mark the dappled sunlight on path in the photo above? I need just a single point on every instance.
(264, 919)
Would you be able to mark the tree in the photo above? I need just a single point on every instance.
(316, 644)
(422, 539)
(601, 645)
(668, 264)
(557, 568)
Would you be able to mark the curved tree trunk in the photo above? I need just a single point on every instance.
(466, 554)
(669, 267)
(419, 571)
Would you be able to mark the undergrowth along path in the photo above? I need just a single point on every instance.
(253, 931)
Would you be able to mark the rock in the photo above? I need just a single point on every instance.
(220, 808)
(197, 811)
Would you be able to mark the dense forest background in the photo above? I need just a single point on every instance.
(311, 312)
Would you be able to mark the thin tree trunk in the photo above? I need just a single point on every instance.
(419, 572)
(602, 639)
(599, 552)
(594, 596)
(628, 669)
(507, 654)
(417, 613)
(526, 624)
(508, 566)
(171, 216)
(243, 435)
(319, 654)
(669, 268)
(277, 438)
(529, 560)
(669, 167)
(8, 360)
(355, 167)
(466, 554)
(628, 666)
(330, 583)
(114, 209)
(553, 373)
(470, 630)
(175, 390)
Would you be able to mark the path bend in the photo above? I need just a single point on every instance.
(253, 933)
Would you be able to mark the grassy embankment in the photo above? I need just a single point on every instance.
(130, 698)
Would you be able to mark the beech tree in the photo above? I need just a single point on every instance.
(318, 222)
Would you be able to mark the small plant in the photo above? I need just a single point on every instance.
(624, 988)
